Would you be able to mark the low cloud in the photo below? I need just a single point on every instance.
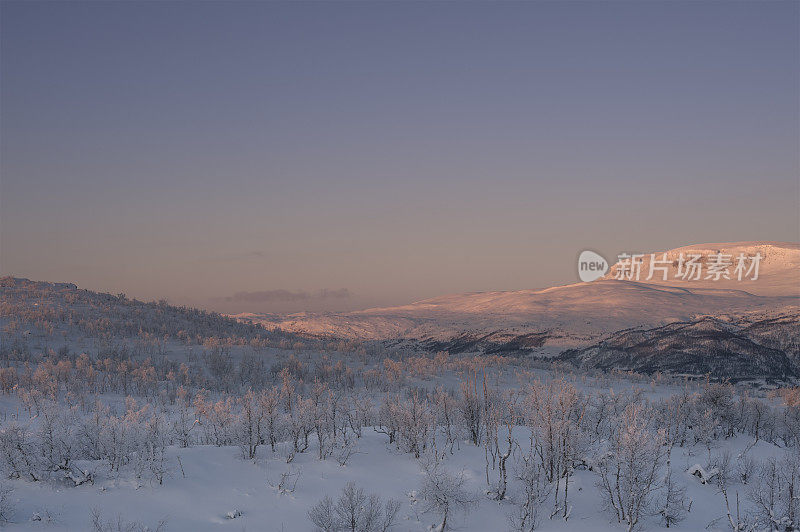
(288, 296)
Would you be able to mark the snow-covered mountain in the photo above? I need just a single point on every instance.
(778, 269)
(571, 315)
(743, 348)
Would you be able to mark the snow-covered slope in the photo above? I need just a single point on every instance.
(778, 275)
(573, 314)
(724, 349)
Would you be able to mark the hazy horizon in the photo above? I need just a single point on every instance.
(280, 157)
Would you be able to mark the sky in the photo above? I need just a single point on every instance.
(304, 156)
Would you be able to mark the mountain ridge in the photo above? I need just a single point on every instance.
(575, 312)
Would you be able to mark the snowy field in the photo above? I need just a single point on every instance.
(187, 466)
(117, 415)
(216, 481)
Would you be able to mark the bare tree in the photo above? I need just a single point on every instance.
(534, 490)
(322, 515)
(776, 492)
(120, 525)
(359, 413)
(351, 509)
(470, 406)
(269, 401)
(354, 511)
(444, 492)
(6, 505)
(629, 470)
(416, 424)
(500, 413)
(445, 408)
(674, 504)
(301, 424)
(151, 443)
(250, 424)
(185, 420)
(555, 413)
(18, 453)
(321, 416)
(722, 479)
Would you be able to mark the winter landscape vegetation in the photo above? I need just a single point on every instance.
(479, 415)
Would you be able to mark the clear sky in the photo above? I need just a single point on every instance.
(267, 156)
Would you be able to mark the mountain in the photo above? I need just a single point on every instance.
(778, 274)
(699, 328)
(577, 315)
(43, 309)
(706, 346)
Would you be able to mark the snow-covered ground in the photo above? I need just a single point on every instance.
(118, 415)
(778, 273)
(216, 480)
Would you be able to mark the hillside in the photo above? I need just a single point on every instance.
(707, 346)
(779, 268)
(571, 315)
(45, 309)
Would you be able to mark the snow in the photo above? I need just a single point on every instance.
(215, 488)
(576, 314)
(704, 476)
(218, 479)
(779, 272)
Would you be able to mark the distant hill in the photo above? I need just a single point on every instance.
(568, 315)
(765, 348)
(29, 307)
(726, 328)
(687, 328)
